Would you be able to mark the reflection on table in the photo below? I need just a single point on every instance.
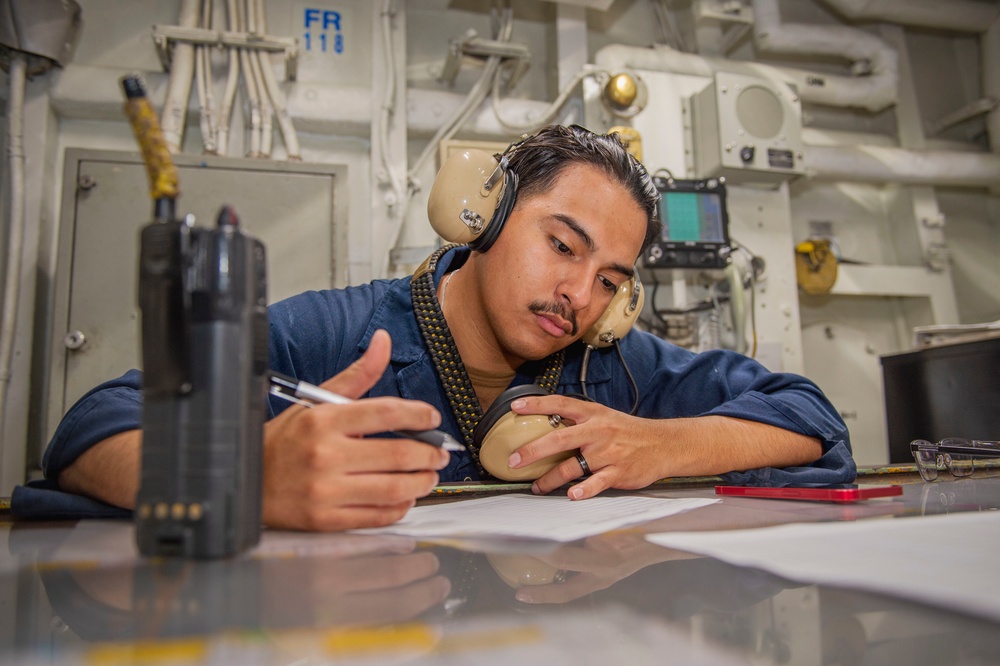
(78, 593)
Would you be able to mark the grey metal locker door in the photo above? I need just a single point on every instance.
(291, 208)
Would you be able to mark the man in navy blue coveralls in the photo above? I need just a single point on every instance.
(584, 212)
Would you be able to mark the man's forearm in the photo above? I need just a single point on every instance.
(109, 471)
(711, 445)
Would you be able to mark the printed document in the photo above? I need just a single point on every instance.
(535, 516)
(947, 560)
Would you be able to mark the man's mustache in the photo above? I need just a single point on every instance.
(556, 308)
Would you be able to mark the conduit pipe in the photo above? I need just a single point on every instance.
(254, 71)
(15, 235)
(181, 74)
(389, 103)
(232, 82)
(471, 103)
(953, 15)
(535, 122)
(278, 102)
(249, 86)
(253, 102)
(206, 95)
(835, 90)
(661, 58)
(326, 109)
(885, 164)
(969, 16)
(466, 110)
(875, 91)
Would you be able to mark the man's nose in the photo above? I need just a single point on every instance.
(576, 288)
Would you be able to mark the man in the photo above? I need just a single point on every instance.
(583, 213)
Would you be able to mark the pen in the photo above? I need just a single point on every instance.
(303, 393)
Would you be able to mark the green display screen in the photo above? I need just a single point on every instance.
(692, 217)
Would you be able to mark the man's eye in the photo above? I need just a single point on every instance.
(560, 246)
(608, 284)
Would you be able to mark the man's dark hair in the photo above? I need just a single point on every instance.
(540, 158)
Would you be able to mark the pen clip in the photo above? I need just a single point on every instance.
(284, 393)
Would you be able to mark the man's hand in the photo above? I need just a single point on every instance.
(319, 472)
(618, 448)
(351, 590)
(594, 564)
(628, 452)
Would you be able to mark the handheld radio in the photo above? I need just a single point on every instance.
(202, 296)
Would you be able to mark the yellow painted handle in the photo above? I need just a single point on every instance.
(146, 126)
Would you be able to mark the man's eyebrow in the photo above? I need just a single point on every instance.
(589, 242)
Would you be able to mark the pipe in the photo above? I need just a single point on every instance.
(400, 195)
(473, 100)
(280, 105)
(206, 100)
(476, 96)
(266, 108)
(18, 67)
(260, 108)
(254, 29)
(181, 74)
(955, 15)
(550, 112)
(209, 121)
(340, 110)
(660, 58)
(885, 164)
(818, 88)
(278, 101)
(206, 96)
(389, 101)
(232, 83)
(874, 92)
(737, 307)
(253, 102)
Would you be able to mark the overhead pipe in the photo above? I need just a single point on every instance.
(388, 109)
(175, 105)
(876, 90)
(827, 89)
(263, 100)
(472, 101)
(970, 16)
(953, 15)
(232, 82)
(205, 87)
(278, 102)
(887, 164)
(341, 110)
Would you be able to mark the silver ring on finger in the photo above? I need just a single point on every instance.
(583, 463)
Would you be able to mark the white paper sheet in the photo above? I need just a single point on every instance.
(947, 560)
(534, 516)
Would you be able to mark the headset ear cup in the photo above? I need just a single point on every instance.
(504, 208)
(460, 207)
(501, 432)
(522, 570)
(619, 316)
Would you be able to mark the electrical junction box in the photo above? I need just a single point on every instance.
(747, 129)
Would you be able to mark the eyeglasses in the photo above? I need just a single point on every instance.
(955, 454)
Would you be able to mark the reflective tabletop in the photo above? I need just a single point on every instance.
(78, 593)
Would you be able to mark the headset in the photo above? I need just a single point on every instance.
(470, 201)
